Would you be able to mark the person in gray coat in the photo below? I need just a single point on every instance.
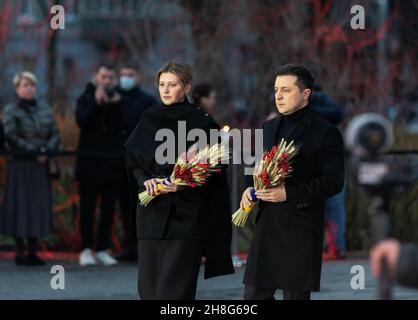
(29, 127)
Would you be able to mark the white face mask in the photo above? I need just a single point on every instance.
(127, 83)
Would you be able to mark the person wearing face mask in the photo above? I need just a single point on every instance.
(30, 127)
(182, 224)
(100, 164)
(134, 101)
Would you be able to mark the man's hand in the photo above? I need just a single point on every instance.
(388, 249)
(277, 194)
(100, 95)
(41, 159)
(115, 98)
(246, 198)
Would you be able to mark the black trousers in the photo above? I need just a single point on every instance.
(89, 193)
(32, 246)
(168, 269)
(257, 293)
(128, 199)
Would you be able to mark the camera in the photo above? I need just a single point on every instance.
(369, 134)
(110, 92)
(368, 137)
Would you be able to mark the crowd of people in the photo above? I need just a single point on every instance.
(107, 112)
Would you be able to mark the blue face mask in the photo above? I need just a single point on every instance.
(126, 83)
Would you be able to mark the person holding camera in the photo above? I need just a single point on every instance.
(100, 164)
(402, 261)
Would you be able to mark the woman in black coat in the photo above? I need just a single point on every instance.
(180, 226)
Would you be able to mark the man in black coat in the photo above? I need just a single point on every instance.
(100, 166)
(134, 101)
(286, 250)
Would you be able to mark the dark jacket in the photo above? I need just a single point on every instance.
(2, 137)
(407, 267)
(100, 142)
(30, 127)
(134, 103)
(286, 250)
(322, 104)
(193, 213)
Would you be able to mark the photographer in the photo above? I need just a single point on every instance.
(402, 261)
(100, 165)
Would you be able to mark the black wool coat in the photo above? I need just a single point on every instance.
(286, 250)
(193, 213)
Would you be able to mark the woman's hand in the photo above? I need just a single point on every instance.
(171, 187)
(151, 186)
(152, 189)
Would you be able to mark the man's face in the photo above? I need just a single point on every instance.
(105, 77)
(131, 73)
(288, 96)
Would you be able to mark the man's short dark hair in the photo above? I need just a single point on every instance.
(303, 74)
(201, 90)
(105, 65)
(130, 65)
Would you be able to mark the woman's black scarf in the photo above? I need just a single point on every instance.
(141, 145)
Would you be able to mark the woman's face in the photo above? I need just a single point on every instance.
(170, 88)
(26, 89)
